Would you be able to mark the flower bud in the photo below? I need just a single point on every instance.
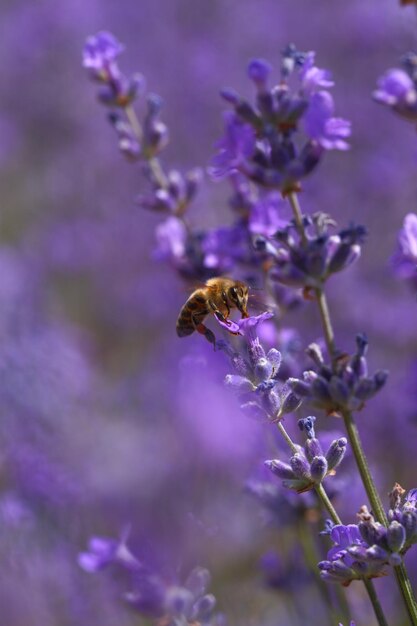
(239, 383)
(318, 468)
(289, 403)
(409, 521)
(300, 466)
(395, 536)
(315, 354)
(313, 448)
(299, 387)
(338, 390)
(336, 452)
(263, 369)
(280, 469)
(307, 424)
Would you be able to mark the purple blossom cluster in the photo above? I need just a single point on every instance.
(364, 550)
(296, 264)
(346, 387)
(263, 141)
(309, 466)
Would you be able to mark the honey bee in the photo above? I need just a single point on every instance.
(218, 296)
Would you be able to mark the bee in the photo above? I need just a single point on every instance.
(218, 296)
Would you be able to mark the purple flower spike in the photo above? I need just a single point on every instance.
(329, 132)
(99, 54)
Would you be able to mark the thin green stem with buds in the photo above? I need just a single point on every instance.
(328, 506)
(153, 163)
(353, 433)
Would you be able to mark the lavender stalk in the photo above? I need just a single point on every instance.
(327, 505)
(354, 438)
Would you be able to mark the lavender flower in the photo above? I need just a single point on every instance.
(137, 141)
(99, 58)
(261, 141)
(363, 550)
(346, 388)
(308, 467)
(350, 558)
(403, 519)
(329, 132)
(100, 52)
(257, 380)
(397, 88)
(266, 215)
(309, 264)
(404, 260)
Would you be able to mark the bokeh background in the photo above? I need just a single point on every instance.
(107, 419)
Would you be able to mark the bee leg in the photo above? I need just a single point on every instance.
(226, 303)
(203, 330)
(219, 314)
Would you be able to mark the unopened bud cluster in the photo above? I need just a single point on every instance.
(309, 466)
(310, 261)
(345, 387)
(364, 550)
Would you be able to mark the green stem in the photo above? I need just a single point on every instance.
(154, 164)
(298, 216)
(362, 463)
(320, 490)
(312, 557)
(406, 592)
(326, 322)
(353, 433)
(325, 500)
(379, 613)
(134, 122)
(287, 438)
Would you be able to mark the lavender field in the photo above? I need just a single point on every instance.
(208, 313)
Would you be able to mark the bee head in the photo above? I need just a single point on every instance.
(238, 295)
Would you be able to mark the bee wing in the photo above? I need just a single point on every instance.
(259, 301)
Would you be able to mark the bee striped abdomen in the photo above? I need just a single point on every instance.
(192, 313)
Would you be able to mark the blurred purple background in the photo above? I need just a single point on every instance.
(107, 418)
